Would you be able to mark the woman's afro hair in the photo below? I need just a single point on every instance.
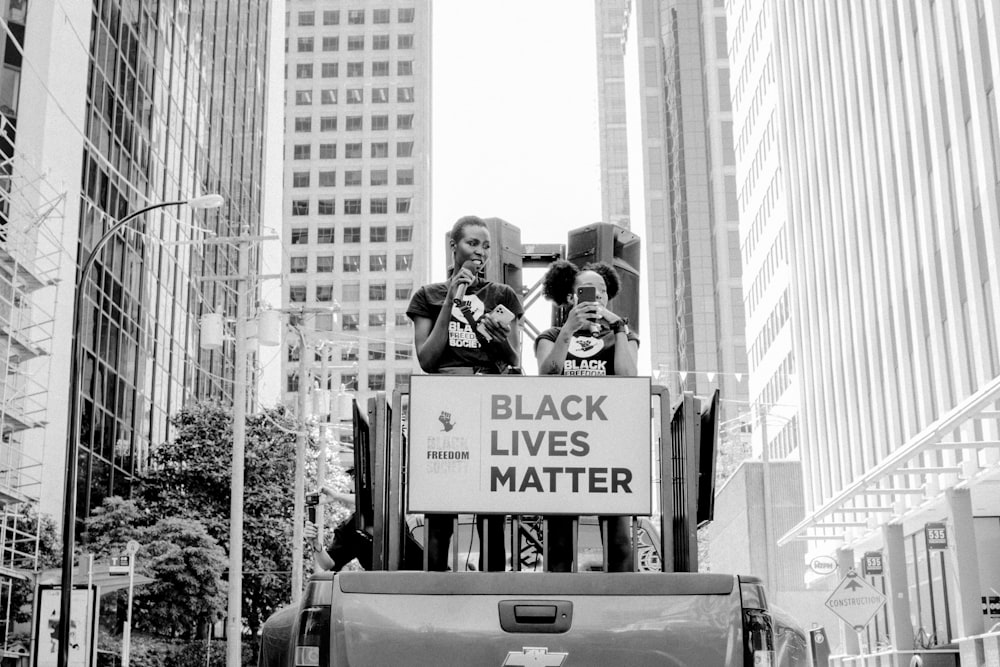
(558, 281)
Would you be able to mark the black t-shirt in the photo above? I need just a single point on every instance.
(588, 353)
(463, 349)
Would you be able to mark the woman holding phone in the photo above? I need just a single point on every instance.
(593, 341)
(466, 326)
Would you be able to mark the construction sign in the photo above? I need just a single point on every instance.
(855, 601)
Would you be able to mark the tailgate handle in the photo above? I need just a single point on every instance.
(545, 616)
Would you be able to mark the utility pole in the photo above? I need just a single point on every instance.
(769, 539)
(298, 508)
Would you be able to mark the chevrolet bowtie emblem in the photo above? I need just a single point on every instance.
(534, 656)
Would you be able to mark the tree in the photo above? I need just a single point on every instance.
(186, 562)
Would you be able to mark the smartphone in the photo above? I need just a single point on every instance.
(501, 314)
(586, 293)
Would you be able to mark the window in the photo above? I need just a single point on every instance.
(300, 235)
(403, 352)
(404, 68)
(301, 151)
(404, 262)
(376, 262)
(352, 263)
(380, 122)
(328, 96)
(355, 96)
(352, 151)
(349, 322)
(324, 264)
(331, 43)
(304, 71)
(303, 124)
(380, 68)
(307, 18)
(404, 149)
(376, 351)
(326, 207)
(352, 235)
(350, 380)
(293, 382)
(300, 207)
(402, 320)
(304, 44)
(377, 319)
(380, 149)
(377, 234)
(355, 69)
(328, 124)
(403, 291)
(355, 17)
(405, 15)
(404, 121)
(404, 41)
(324, 292)
(380, 42)
(356, 43)
(349, 353)
(402, 206)
(378, 206)
(352, 207)
(324, 235)
(331, 17)
(329, 70)
(300, 179)
(404, 94)
(379, 176)
(353, 123)
(380, 95)
(327, 179)
(297, 293)
(404, 177)
(404, 234)
(376, 292)
(323, 322)
(380, 16)
(328, 151)
(303, 97)
(376, 381)
(351, 292)
(352, 177)
(298, 264)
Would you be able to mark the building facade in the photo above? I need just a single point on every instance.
(689, 194)
(357, 219)
(890, 155)
(611, 21)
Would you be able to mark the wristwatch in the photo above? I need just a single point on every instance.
(621, 326)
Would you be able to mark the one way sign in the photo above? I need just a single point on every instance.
(855, 600)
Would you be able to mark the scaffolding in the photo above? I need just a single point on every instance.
(31, 212)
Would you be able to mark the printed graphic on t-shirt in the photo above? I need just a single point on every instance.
(581, 358)
(460, 334)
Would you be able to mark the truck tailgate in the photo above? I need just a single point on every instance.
(405, 618)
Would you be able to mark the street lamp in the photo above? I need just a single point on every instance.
(72, 439)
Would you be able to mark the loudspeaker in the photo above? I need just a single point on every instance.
(506, 261)
(605, 242)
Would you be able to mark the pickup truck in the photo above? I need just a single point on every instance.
(664, 612)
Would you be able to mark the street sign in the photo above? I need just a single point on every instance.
(871, 564)
(936, 535)
(855, 601)
(119, 564)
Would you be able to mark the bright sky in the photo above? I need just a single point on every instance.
(514, 131)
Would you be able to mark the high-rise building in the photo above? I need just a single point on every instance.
(107, 107)
(611, 21)
(696, 319)
(357, 218)
(890, 154)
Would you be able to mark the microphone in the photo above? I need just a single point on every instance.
(471, 265)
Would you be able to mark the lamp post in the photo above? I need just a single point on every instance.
(73, 435)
